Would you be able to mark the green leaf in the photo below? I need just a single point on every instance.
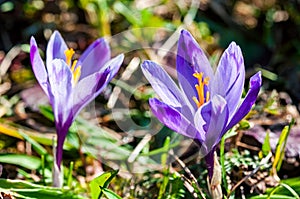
(266, 147)
(110, 194)
(222, 161)
(131, 17)
(268, 74)
(23, 189)
(280, 148)
(290, 189)
(277, 196)
(99, 183)
(47, 112)
(294, 182)
(37, 147)
(166, 147)
(70, 175)
(150, 20)
(28, 162)
(244, 124)
(12, 129)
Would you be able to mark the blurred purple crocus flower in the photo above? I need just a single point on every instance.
(207, 103)
(72, 84)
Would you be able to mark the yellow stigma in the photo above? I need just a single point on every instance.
(202, 82)
(69, 54)
(76, 71)
(76, 74)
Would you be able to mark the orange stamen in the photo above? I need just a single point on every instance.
(200, 89)
(69, 54)
(76, 71)
(73, 65)
(76, 74)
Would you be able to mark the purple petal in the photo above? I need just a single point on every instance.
(202, 118)
(60, 80)
(164, 86)
(218, 120)
(61, 130)
(190, 59)
(212, 118)
(94, 57)
(209, 159)
(173, 119)
(245, 107)
(230, 77)
(88, 89)
(38, 66)
(56, 49)
(91, 86)
(114, 65)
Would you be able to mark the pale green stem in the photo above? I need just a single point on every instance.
(214, 184)
(57, 173)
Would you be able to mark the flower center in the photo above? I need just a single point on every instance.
(76, 71)
(201, 87)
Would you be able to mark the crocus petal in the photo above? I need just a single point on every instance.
(190, 59)
(166, 88)
(173, 119)
(203, 117)
(88, 89)
(245, 107)
(60, 80)
(230, 77)
(114, 65)
(38, 66)
(56, 49)
(61, 131)
(94, 57)
(218, 120)
(91, 86)
(163, 84)
(212, 118)
(209, 159)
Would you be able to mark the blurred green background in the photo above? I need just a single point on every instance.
(268, 31)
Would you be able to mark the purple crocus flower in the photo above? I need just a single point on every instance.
(70, 85)
(207, 103)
